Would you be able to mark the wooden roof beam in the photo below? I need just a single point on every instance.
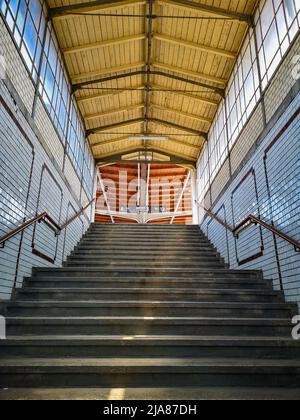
(195, 97)
(113, 112)
(189, 73)
(107, 93)
(114, 126)
(77, 78)
(63, 12)
(196, 46)
(184, 114)
(178, 127)
(104, 44)
(210, 10)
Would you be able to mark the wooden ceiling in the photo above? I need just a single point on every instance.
(148, 72)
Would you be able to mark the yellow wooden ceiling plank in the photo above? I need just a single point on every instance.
(194, 45)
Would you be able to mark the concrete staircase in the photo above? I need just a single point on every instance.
(150, 306)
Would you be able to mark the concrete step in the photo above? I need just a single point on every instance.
(149, 346)
(132, 326)
(203, 283)
(136, 253)
(151, 263)
(148, 294)
(150, 309)
(136, 247)
(157, 372)
(143, 256)
(198, 273)
(144, 238)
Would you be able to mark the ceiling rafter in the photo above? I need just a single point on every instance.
(189, 73)
(178, 127)
(107, 93)
(63, 12)
(184, 114)
(183, 143)
(195, 97)
(115, 111)
(104, 44)
(209, 10)
(76, 78)
(123, 124)
(199, 47)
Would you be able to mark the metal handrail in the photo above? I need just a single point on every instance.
(45, 218)
(253, 220)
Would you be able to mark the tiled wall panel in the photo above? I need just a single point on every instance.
(276, 165)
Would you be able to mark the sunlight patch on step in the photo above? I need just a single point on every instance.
(116, 394)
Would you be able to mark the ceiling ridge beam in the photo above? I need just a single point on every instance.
(112, 112)
(104, 44)
(63, 12)
(183, 114)
(195, 46)
(210, 10)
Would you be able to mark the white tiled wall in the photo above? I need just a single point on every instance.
(33, 178)
(265, 186)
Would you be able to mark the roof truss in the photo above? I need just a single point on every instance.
(118, 157)
(77, 86)
(142, 120)
(121, 139)
(96, 5)
(104, 44)
(62, 12)
(210, 10)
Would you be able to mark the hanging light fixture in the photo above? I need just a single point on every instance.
(154, 138)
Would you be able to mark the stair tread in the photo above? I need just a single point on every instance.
(222, 320)
(145, 303)
(148, 290)
(186, 339)
(152, 363)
